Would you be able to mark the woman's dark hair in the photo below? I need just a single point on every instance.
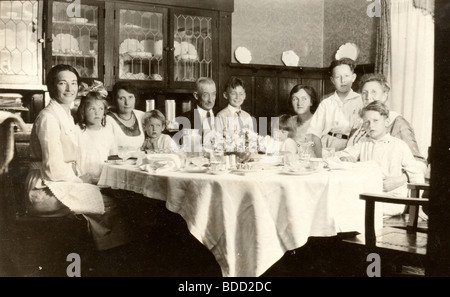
(127, 86)
(52, 76)
(310, 91)
(81, 112)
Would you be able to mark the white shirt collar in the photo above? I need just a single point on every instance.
(203, 112)
(382, 139)
(233, 109)
(351, 95)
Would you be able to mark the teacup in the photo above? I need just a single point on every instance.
(316, 163)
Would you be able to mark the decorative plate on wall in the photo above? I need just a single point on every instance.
(243, 55)
(289, 58)
(348, 50)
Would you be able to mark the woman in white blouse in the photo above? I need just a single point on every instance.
(124, 119)
(54, 185)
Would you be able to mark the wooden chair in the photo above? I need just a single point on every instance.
(32, 245)
(399, 245)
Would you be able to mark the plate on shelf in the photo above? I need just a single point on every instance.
(68, 43)
(151, 46)
(78, 20)
(147, 55)
(243, 55)
(130, 45)
(131, 26)
(56, 44)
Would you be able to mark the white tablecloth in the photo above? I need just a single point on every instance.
(249, 222)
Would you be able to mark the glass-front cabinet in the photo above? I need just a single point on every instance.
(21, 42)
(193, 42)
(74, 31)
(141, 39)
(165, 47)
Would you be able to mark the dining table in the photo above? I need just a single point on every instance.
(249, 218)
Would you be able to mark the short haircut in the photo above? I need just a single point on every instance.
(81, 111)
(153, 114)
(233, 83)
(343, 61)
(203, 81)
(127, 86)
(378, 77)
(310, 91)
(376, 106)
(52, 77)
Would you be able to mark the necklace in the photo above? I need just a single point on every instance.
(126, 120)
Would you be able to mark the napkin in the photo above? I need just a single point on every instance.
(127, 154)
(156, 163)
(336, 163)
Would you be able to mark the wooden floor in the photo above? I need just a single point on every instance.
(169, 250)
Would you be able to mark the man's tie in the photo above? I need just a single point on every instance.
(241, 123)
(208, 117)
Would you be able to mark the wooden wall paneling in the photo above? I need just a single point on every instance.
(316, 84)
(285, 87)
(224, 55)
(248, 104)
(266, 101)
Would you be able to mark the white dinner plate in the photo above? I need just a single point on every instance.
(245, 170)
(195, 169)
(300, 172)
(218, 172)
(125, 162)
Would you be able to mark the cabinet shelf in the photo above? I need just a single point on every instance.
(74, 24)
(11, 108)
(74, 55)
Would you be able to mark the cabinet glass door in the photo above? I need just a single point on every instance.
(20, 52)
(193, 46)
(141, 41)
(75, 37)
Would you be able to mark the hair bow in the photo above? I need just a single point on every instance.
(97, 86)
